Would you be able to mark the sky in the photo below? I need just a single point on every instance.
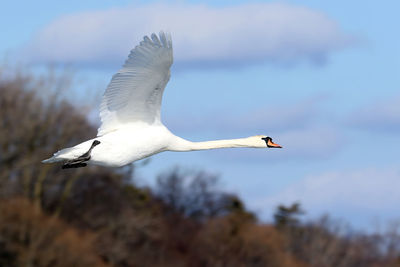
(320, 77)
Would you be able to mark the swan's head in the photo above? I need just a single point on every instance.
(267, 141)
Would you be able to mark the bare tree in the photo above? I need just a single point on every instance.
(195, 194)
(35, 121)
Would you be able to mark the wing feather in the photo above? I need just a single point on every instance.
(135, 91)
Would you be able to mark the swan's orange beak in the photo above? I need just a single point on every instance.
(272, 144)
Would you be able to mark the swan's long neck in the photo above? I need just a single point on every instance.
(184, 145)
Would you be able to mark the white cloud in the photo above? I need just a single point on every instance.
(202, 35)
(367, 193)
(318, 142)
(383, 116)
(277, 118)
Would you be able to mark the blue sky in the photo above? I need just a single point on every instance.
(321, 77)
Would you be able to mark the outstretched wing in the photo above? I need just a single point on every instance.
(135, 91)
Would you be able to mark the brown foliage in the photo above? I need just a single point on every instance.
(32, 238)
(236, 241)
(127, 219)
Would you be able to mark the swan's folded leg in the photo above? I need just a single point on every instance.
(80, 161)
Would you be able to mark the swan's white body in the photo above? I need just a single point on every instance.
(130, 113)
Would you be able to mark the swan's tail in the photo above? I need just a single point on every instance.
(51, 160)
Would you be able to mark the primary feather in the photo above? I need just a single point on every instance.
(135, 91)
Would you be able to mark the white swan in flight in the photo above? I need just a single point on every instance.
(131, 127)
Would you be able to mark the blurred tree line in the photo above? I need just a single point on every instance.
(96, 216)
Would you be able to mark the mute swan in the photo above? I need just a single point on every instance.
(131, 127)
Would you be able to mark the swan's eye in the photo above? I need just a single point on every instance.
(266, 139)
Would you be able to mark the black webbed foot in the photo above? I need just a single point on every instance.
(73, 165)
